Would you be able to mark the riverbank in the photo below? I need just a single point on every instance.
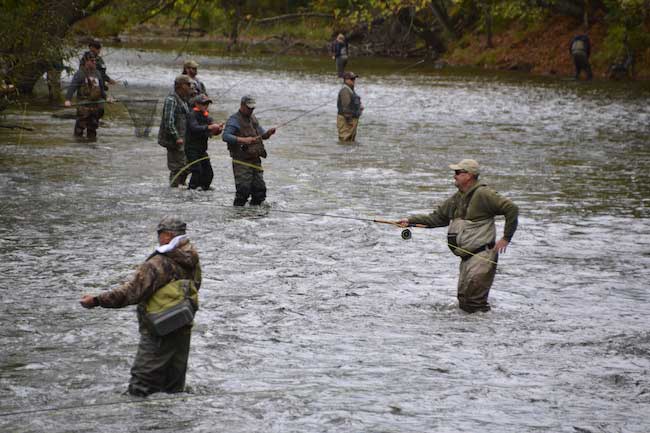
(541, 49)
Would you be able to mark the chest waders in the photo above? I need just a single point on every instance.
(249, 152)
(467, 238)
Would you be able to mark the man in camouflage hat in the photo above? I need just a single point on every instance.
(87, 83)
(161, 361)
(472, 233)
(245, 136)
(191, 68)
(173, 125)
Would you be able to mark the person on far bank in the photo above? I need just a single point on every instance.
(171, 273)
(87, 83)
(200, 127)
(173, 126)
(580, 49)
(245, 138)
(340, 50)
(191, 68)
(349, 109)
(95, 47)
(471, 235)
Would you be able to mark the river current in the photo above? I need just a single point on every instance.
(313, 323)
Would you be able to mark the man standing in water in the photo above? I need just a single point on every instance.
(340, 54)
(472, 233)
(200, 127)
(245, 136)
(95, 47)
(89, 86)
(580, 49)
(349, 109)
(190, 68)
(161, 362)
(173, 124)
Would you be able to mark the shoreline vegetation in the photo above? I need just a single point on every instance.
(514, 35)
(541, 49)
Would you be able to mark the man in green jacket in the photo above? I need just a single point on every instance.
(161, 362)
(472, 233)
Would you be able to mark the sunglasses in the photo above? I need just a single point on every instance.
(460, 171)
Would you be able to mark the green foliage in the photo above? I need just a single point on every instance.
(26, 52)
(626, 31)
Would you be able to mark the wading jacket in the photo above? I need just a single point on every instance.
(479, 203)
(156, 272)
(173, 123)
(197, 132)
(239, 125)
(348, 103)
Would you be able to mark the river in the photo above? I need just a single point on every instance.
(320, 324)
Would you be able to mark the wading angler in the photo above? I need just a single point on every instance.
(165, 289)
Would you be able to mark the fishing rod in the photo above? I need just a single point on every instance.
(99, 101)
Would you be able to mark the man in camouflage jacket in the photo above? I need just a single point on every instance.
(161, 362)
(472, 234)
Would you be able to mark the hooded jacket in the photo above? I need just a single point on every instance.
(157, 271)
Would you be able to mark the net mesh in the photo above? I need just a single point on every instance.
(141, 112)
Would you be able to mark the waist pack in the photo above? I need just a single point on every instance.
(171, 307)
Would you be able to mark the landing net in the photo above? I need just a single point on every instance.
(142, 113)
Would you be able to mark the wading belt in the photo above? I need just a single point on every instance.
(478, 250)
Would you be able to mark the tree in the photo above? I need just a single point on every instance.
(34, 36)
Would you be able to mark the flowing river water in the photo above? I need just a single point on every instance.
(319, 324)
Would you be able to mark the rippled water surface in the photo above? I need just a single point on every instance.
(320, 324)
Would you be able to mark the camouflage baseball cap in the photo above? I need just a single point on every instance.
(190, 64)
(201, 99)
(248, 101)
(183, 79)
(171, 224)
(468, 165)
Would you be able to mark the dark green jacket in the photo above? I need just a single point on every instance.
(483, 203)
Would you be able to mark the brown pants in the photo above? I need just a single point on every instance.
(347, 129)
(176, 160)
(475, 280)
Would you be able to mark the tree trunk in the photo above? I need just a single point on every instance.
(440, 12)
(487, 11)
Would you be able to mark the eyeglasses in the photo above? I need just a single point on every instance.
(457, 172)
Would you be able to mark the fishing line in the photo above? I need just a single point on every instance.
(409, 67)
(111, 403)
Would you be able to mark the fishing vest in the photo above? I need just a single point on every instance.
(248, 127)
(355, 104)
(578, 47)
(90, 90)
(181, 111)
(172, 306)
(466, 237)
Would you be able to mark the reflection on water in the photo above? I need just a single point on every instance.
(313, 323)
